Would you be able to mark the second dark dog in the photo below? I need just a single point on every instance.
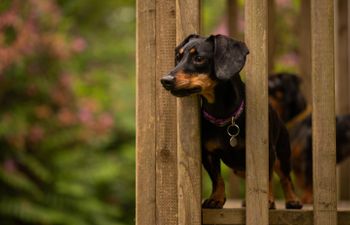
(287, 99)
(210, 66)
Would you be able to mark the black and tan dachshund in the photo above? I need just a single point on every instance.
(287, 99)
(210, 66)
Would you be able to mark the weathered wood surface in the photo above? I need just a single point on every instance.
(280, 204)
(277, 217)
(256, 36)
(156, 163)
(323, 118)
(145, 113)
(188, 131)
(166, 122)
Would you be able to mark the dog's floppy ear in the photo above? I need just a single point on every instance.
(229, 56)
(181, 45)
(296, 79)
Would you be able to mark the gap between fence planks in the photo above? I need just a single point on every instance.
(342, 84)
(188, 130)
(323, 118)
(256, 37)
(304, 39)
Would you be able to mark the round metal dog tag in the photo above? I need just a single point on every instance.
(233, 141)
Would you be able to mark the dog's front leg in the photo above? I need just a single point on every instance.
(211, 163)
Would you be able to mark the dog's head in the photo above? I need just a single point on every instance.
(285, 95)
(201, 63)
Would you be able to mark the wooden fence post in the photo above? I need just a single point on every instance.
(256, 36)
(188, 131)
(145, 113)
(323, 118)
(166, 120)
(156, 194)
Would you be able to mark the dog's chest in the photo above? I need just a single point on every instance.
(234, 157)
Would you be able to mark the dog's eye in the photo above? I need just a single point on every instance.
(198, 59)
(178, 57)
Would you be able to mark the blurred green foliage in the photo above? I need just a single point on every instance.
(67, 112)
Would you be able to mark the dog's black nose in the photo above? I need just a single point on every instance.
(168, 82)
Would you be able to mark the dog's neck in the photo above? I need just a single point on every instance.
(228, 96)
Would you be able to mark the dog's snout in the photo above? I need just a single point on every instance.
(168, 81)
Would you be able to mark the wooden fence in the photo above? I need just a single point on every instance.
(168, 164)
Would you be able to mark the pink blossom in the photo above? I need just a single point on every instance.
(10, 165)
(105, 121)
(66, 117)
(35, 134)
(79, 44)
(85, 115)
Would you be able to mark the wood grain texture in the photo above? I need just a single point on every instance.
(166, 147)
(188, 130)
(323, 118)
(145, 113)
(304, 36)
(277, 217)
(256, 37)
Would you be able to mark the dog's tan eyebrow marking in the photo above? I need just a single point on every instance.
(193, 50)
(181, 50)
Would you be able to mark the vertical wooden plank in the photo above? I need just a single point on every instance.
(305, 47)
(188, 131)
(323, 118)
(145, 113)
(256, 37)
(166, 147)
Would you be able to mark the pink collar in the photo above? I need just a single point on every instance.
(223, 122)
